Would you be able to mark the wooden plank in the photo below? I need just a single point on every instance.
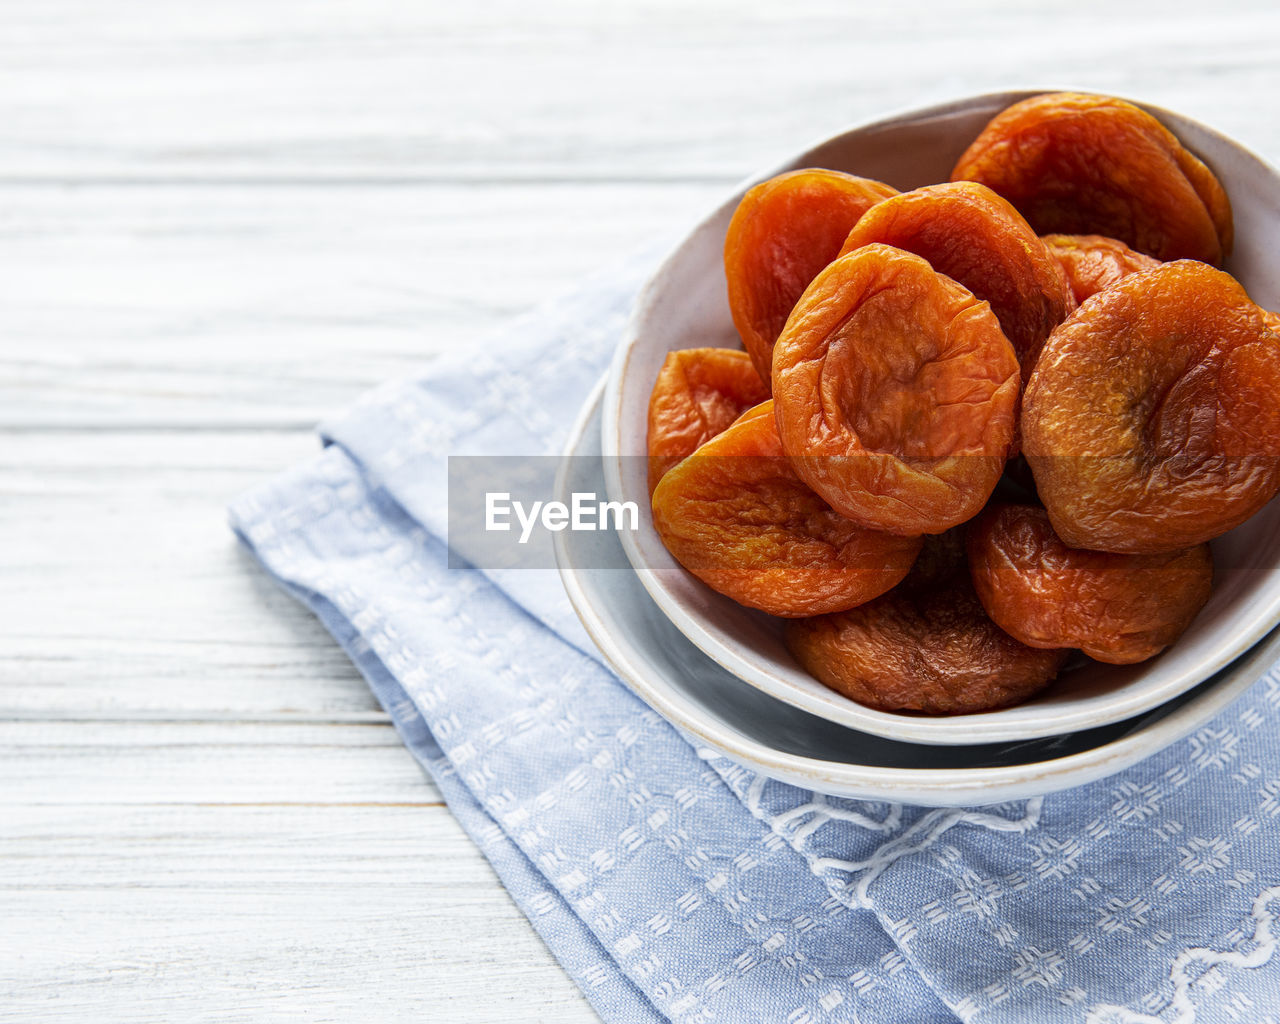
(274, 307)
(215, 913)
(563, 90)
(126, 594)
(158, 762)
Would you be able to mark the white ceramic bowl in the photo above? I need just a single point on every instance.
(716, 709)
(684, 306)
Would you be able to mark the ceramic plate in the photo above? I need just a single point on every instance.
(716, 708)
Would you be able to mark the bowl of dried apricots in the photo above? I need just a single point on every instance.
(964, 426)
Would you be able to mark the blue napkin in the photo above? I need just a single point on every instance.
(674, 885)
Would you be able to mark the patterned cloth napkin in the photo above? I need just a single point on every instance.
(675, 885)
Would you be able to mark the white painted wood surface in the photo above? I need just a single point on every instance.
(219, 222)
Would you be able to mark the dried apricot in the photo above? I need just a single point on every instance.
(1078, 164)
(895, 392)
(1152, 420)
(1116, 608)
(699, 392)
(735, 514)
(934, 651)
(783, 232)
(966, 231)
(1094, 262)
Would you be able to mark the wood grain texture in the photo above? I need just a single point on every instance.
(270, 307)
(128, 597)
(569, 89)
(220, 222)
(156, 913)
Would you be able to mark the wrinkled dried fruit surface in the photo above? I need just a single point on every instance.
(1151, 420)
(895, 393)
(933, 651)
(783, 232)
(1078, 164)
(1116, 608)
(1272, 320)
(1093, 262)
(699, 392)
(966, 231)
(736, 515)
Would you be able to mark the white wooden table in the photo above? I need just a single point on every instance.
(219, 222)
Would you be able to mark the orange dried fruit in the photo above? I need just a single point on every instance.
(1152, 420)
(735, 514)
(1094, 262)
(933, 651)
(1079, 164)
(1116, 608)
(783, 232)
(970, 234)
(895, 392)
(699, 392)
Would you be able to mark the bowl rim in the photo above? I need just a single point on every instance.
(998, 725)
(928, 786)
